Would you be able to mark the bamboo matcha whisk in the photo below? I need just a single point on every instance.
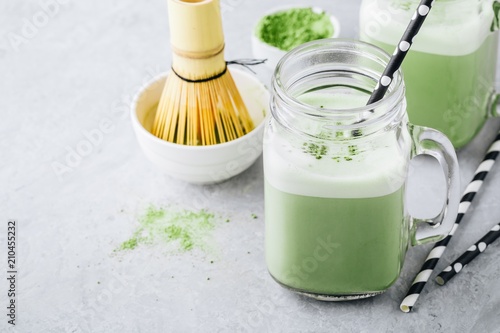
(200, 104)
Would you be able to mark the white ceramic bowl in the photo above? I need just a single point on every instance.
(273, 55)
(202, 164)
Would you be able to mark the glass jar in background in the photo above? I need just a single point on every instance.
(450, 70)
(335, 173)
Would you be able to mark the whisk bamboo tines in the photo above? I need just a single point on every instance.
(200, 104)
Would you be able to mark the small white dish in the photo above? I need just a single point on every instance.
(262, 50)
(202, 164)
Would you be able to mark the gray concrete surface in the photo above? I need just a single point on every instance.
(80, 66)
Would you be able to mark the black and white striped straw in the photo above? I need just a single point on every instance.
(472, 252)
(438, 249)
(401, 50)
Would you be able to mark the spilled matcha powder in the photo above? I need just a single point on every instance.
(182, 229)
(293, 27)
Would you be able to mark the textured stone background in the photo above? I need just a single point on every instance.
(81, 66)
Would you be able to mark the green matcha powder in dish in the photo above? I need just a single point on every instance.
(287, 29)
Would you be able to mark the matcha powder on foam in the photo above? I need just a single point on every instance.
(290, 28)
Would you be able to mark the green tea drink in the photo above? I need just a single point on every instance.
(450, 70)
(330, 246)
(335, 171)
(335, 220)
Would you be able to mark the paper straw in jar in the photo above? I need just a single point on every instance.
(401, 50)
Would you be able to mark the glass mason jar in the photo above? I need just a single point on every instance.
(335, 173)
(450, 69)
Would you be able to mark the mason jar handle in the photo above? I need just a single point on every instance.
(494, 102)
(427, 141)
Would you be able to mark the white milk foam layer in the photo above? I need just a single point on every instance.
(373, 174)
(378, 167)
(465, 30)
